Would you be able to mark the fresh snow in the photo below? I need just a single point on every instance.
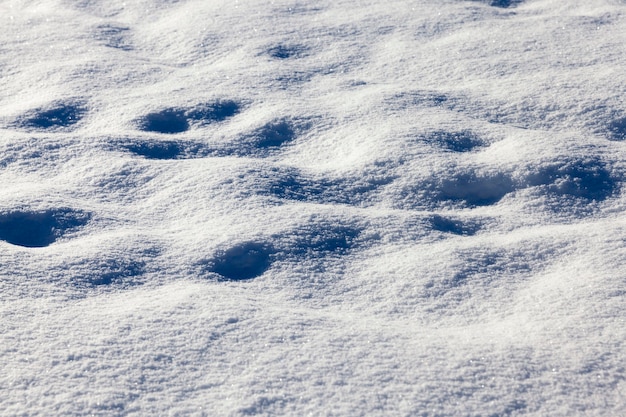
(329, 208)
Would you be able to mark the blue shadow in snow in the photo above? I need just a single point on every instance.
(463, 141)
(265, 140)
(113, 270)
(274, 135)
(216, 111)
(479, 270)
(504, 3)
(243, 261)
(122, 267)
(113, 37)
(472, 189)
(582, 179)
(287, 51)
(293, 185)
(501, 3)
(177, 120)
(288, 79)
(35, 229)
(617, 129)
(249, 260)
(321, 239)
(156, 150)
(167, 121)
(164, 149)
(58, 115)
(513, 407)
(454, 226)
(419, 98)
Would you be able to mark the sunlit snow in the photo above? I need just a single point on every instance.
(325, 208)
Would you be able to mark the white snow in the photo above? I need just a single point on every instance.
(333, 208)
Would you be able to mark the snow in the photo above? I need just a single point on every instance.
(330, 208)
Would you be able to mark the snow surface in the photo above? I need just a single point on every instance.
(333, 208)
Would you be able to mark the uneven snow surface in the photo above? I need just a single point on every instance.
(326, 208)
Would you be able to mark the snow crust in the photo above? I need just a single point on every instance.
(330, 208)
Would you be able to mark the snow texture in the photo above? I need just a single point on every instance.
(329, 208)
